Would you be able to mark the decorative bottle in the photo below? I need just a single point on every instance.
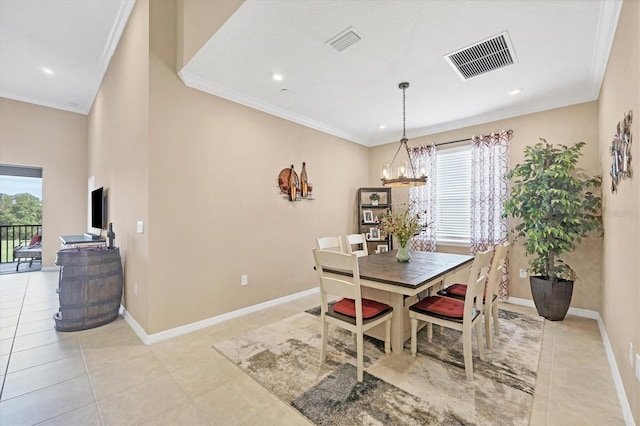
(304, 189)
(293, 191)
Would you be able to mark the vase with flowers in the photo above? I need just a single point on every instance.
(402, 224)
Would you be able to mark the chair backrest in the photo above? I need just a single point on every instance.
(343, 286)
(353, 239)
(329, 243)
(476, 284)
(497, 268)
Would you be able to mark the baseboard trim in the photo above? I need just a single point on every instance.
(149, 339)
(613, 365)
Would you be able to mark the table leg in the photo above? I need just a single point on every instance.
(397, 323)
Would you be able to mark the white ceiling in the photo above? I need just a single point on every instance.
(74, 39)
(561, 50)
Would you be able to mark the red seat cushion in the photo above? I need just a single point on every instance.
(370, 308)
(35, 240)
(459, 290)
(450, 308)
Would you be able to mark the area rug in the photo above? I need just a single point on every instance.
(430, 388)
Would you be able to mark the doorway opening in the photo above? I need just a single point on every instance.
(20, 218)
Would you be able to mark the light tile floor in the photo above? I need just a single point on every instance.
(106, 376)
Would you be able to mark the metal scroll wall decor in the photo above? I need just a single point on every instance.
(293, 187)
(620, 150)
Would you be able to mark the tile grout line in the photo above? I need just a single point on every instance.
(551, 369)
(13, 340)
(93, 391)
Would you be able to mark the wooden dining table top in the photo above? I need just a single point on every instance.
(422, 268)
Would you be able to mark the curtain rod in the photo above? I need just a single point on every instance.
(447, 143)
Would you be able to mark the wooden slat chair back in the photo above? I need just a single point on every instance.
(456, 314)
(330, 243)
(348, 287)
(356, 239)
(493, 287)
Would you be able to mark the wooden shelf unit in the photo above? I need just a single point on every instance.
(369, 215)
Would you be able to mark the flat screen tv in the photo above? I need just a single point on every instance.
(97, 208)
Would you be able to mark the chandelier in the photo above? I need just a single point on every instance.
(403, 175)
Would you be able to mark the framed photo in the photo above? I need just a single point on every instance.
(382, 248)
(368, 216)
(375, 233)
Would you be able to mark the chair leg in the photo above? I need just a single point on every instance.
(479, 339)
(494, 313)
(360, 356)
(487, 328)
(414, 336)
(387, 336)
(323, 349)
(429, 332)
(466, 350)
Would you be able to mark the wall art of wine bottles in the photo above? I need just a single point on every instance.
(294, 187)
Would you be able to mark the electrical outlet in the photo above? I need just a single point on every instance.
(631, 354)
(638, 366)
(523, 273)
(135, 288)
(244, 280)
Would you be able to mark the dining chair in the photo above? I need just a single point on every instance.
(356, 239)
(490, 304)
(463, 315)
(330, 243)
(352, 312)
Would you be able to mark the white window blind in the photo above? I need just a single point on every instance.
(453, 186)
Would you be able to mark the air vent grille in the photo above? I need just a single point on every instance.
(345, 39)
(483, 57)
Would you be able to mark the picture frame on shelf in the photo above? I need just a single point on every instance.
(375, 234)
(367, 216)
(382, 248)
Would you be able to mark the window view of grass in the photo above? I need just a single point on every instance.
(20, 212)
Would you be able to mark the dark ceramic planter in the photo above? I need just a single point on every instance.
(552, 301)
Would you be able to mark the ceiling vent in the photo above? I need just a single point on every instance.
(483, 57)
(345, 39)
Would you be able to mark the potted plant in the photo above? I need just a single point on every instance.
(374, 198)
(551, 201)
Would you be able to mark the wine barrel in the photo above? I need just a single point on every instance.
(89, 287)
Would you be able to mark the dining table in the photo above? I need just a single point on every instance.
(385, 279)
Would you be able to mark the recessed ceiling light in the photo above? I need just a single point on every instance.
(515, 91)
(382, 126)
(47, 71)
(277, 76)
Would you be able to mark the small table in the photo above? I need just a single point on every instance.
(390, 281)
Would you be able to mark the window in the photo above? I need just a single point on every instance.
(453, 195)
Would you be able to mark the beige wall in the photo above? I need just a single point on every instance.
(621, 211)
(56, 141)
(118, 153)
(215, 210)
(566, 126)
(197, 21)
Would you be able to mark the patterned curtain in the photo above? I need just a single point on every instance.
(422, 199)
(489, 165)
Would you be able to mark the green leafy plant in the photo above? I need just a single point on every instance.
(374, 197)
(551, 198)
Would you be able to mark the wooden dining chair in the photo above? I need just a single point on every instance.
(330, 243)
(462, 315)
(352, 312)
(356, 239)
(490, 304)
